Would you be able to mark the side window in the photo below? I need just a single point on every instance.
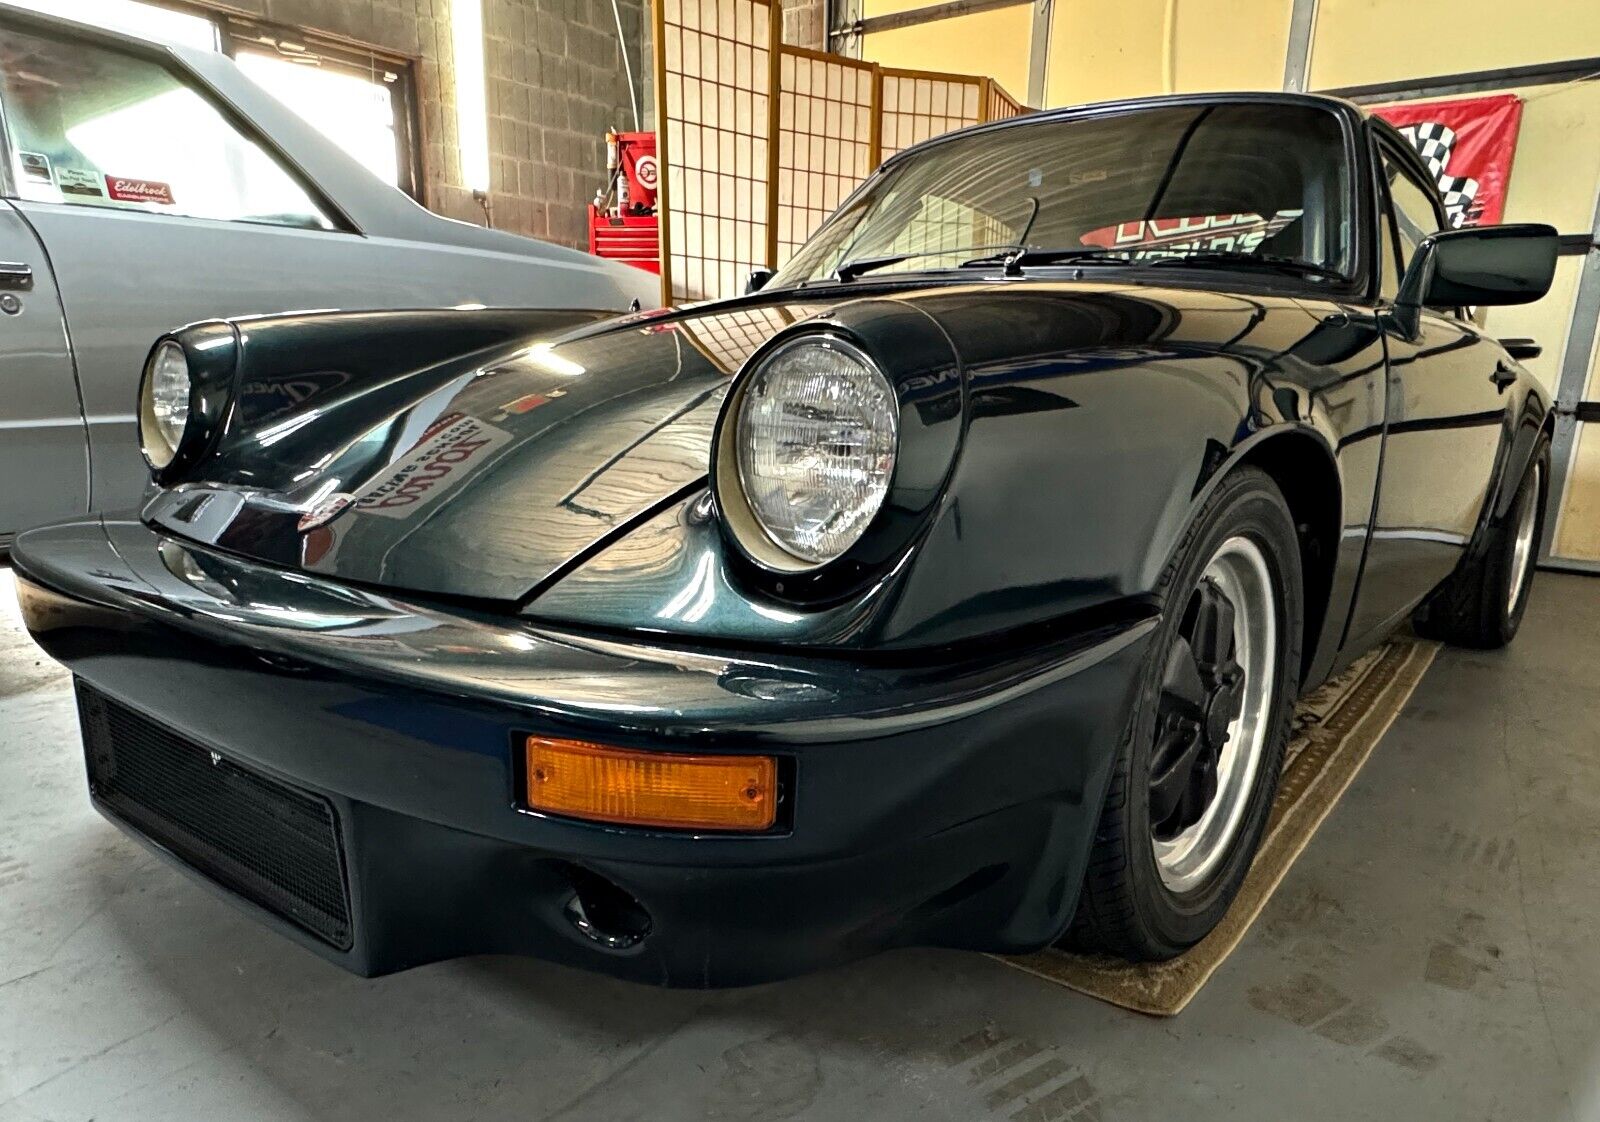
(95, 127)
(1414, 214)
(1389, 258)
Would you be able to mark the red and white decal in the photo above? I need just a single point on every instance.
(138, 190)
(325, 511)
(647, 172)
(438, 461)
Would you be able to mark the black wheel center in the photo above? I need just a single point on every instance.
(1202, 694)
(1225, 704)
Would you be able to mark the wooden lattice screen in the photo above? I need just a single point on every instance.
(760, 142)
(918, 105)
(827, 138)
(715, 71)
(998, 105)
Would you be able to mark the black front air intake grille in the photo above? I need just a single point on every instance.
(276, 846)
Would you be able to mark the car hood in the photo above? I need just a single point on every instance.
(482, 476)
(490, 475)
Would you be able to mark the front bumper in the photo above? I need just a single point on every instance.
(947, 804)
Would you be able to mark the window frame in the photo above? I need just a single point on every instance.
(1389, 147)
(237, 30)
(237, 33)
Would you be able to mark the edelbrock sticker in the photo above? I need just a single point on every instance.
(439, 461)
(138, 190)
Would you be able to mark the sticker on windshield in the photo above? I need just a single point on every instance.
(77, 181)
(35, 167)
(138, 190)
(441, 459)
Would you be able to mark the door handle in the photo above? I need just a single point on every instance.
(15, 274)
(1503, 376)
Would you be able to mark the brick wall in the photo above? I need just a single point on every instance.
(555, 84)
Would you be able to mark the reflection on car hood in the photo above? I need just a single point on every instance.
(480, 477)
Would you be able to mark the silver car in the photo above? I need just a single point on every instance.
(146, 186)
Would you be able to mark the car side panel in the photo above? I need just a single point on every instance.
(44, 456)
(1449, 425)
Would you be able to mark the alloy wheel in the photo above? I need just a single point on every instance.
(1213, 714)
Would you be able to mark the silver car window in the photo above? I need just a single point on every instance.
(92, 126)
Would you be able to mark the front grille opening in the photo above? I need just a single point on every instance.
(276, 846)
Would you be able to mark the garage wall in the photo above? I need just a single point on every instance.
(1422, 38)
(1101, 49)
(990, 44)
(555, 84)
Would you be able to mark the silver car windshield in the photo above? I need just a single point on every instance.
(1233, 184)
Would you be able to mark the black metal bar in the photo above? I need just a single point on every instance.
(1473, 81)
(915, 16)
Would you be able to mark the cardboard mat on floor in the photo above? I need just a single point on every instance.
(1335, 729)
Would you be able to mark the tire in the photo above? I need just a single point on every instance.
(1482, 603)
(1143, 896)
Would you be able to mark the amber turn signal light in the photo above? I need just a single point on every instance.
(584, 780)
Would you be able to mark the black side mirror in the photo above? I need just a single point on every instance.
(1481, 265)
(757, 280)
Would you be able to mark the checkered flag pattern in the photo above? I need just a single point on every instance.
(1435, 141)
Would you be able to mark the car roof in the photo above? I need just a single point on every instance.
(1347, 110)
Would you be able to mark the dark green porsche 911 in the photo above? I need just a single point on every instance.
(952, 587)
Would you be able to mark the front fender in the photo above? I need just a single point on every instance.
(1096, 419)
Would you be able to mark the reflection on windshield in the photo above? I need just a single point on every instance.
(1266, 181)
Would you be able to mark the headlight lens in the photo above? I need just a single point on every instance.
(164, 405)
(817, 430)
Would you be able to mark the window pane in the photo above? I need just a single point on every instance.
(135, 17)
(1389, 282)
(1413, 209)
(99, 128)
(1169, 182)
(354, 112)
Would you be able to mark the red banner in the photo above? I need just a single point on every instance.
(1468, 144)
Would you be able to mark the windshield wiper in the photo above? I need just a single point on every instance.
(1223, 259)
(1017, 258)
(850, 270)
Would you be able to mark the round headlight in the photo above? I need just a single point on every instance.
(814, 442)
(164, 404)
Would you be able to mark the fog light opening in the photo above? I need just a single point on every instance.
(604, 913)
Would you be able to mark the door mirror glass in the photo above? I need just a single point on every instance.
(1481, 265)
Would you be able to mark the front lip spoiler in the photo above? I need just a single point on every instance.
(292, 618)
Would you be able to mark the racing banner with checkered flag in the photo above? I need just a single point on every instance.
(1468, 144)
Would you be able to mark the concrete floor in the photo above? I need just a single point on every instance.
(1432, 955)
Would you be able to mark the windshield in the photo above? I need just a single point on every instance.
(1270, 182)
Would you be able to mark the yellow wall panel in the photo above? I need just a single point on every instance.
(1363, 41)
(1102, 49)
(993, 44)
(1231, 44)
(1578, 522)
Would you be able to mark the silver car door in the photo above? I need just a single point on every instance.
(44, 463)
